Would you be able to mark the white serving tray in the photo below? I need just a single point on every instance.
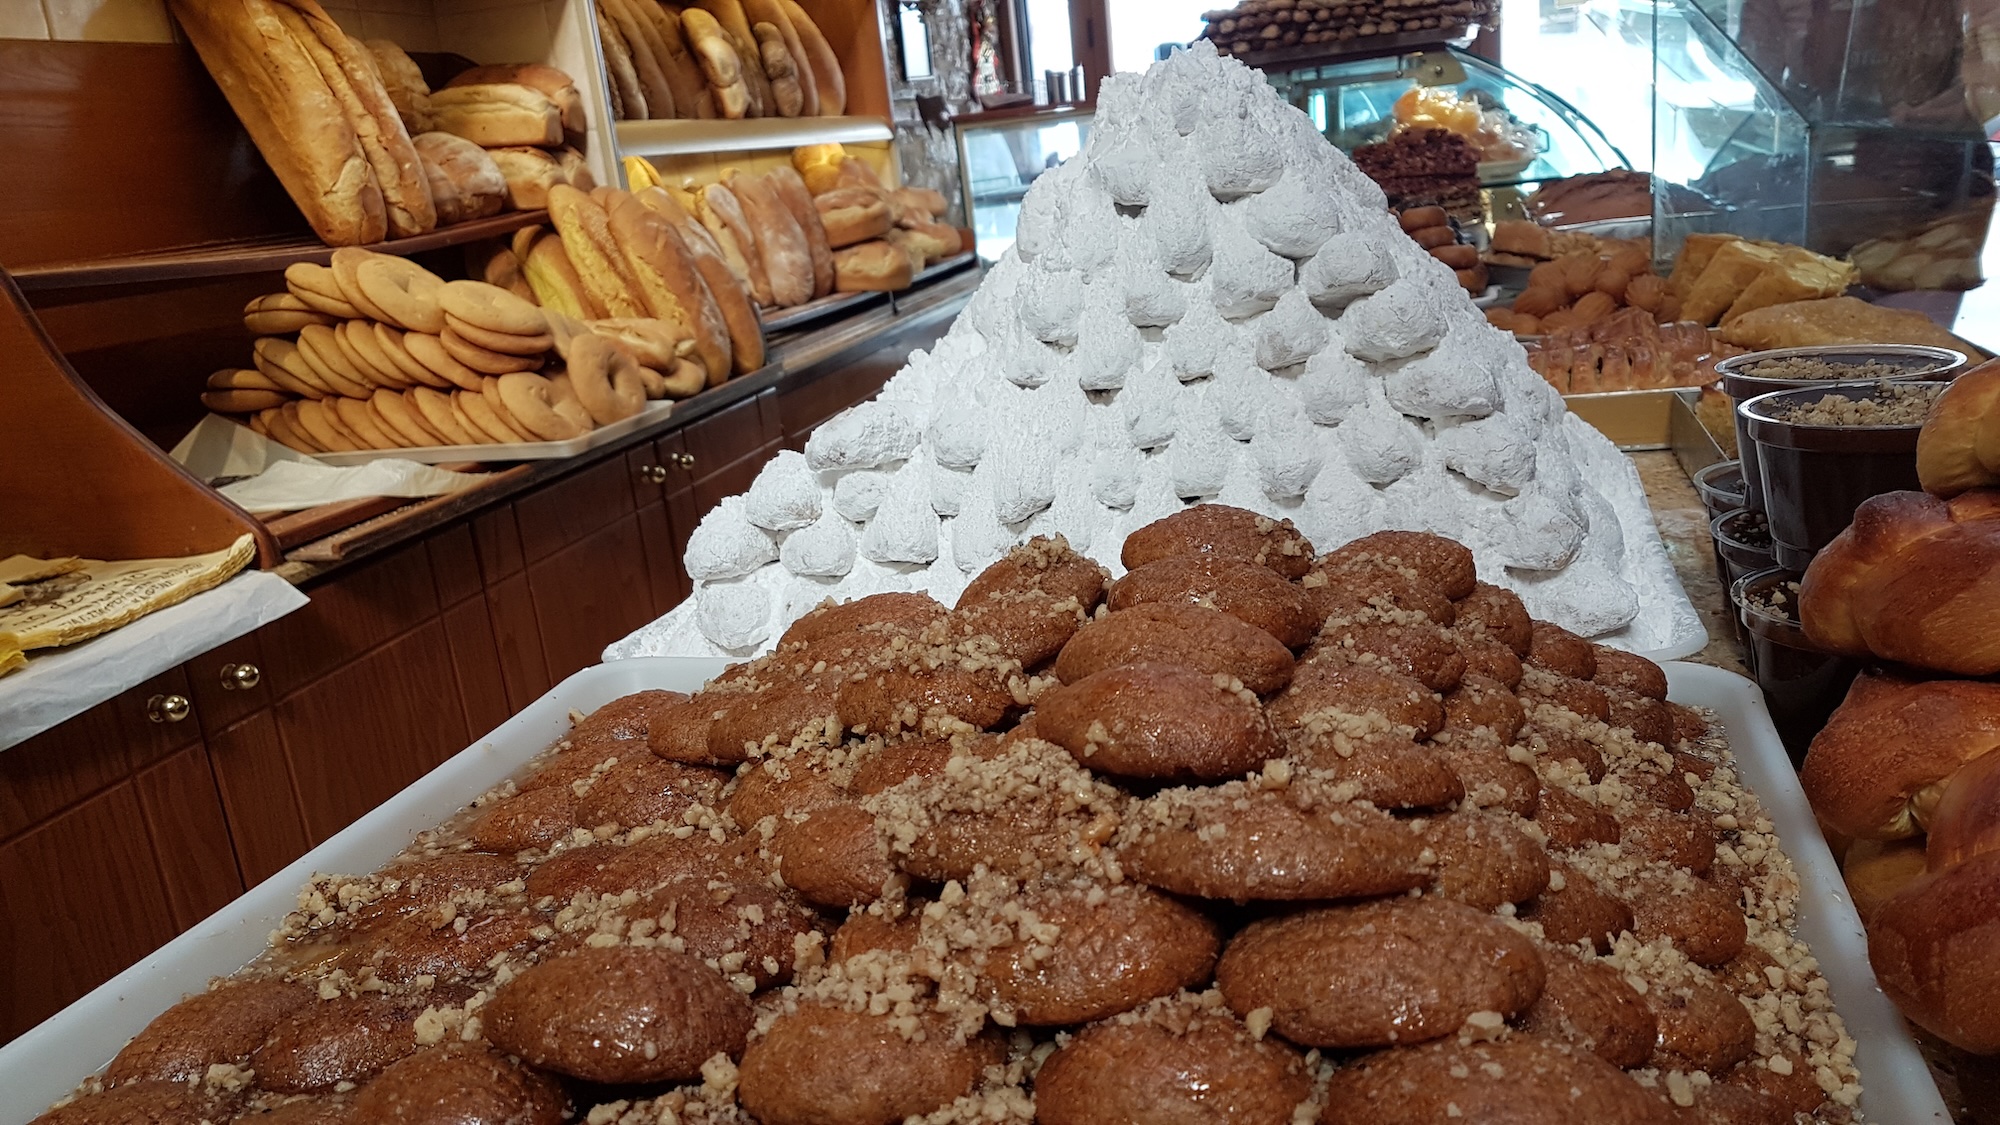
(47, 1062)
(654, 411)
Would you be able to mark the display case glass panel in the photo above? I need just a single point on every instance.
(1001, 155)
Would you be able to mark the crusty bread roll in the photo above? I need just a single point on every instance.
(773, 13)
(852, 215)
(736, 26)
(692, 97)
(575, 169)
(529, 174)
(793, 194)
(642, 40)
(936, 240)
(787, 97)
(722, 213)
(780, 241)
(1914, 579)
(291, 113)
(872, 267)
(1877, 770)
(498, 114)
(554, 84)
(913, 205)
(1959, 446)
(465, 182)
(819, 166)
(720, 61)
(725, 285)
(404, 83)
(349, 72)
(825, 65)
(669, 283)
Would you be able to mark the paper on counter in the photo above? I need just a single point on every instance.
(280, 479)
(59, 685)
(80, 602)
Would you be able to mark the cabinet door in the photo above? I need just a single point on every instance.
(590, 594)
(662, 486)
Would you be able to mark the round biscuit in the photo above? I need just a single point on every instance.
(492, 308)
(429, 351)
(484, 361)
(506, 343)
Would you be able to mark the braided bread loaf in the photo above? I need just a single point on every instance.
(1959, 447)
(1914, 579)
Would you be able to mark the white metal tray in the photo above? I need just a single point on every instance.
(50, 1060)
(654, 412)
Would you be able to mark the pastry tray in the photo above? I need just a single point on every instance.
(47, 1062)
(654, 412)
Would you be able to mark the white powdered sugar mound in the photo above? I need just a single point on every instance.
(1209, 303)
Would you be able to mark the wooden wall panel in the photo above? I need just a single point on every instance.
(259, 797)
(557, 515)
(87, 754)
(454, 563)
(364, 608)
(475, 660)
(589, 595)
(511, 609)
(190, 835)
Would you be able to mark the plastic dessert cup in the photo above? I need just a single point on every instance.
(1802, 685)
(1720, 487)
(1921, 361)
(1814, 476)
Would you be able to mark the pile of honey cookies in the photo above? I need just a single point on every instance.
(375, 352)
(1254, 834)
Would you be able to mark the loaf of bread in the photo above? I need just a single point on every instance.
(669, 283)
(735, 26)
(1836, 320)
(746, 332)
(465, 182)
(793, 194)
(641, 40)
(830, 81)
(722, 213)
(872, 267)
(553, 84)
(1959, 446)
(787, 97)
(773, 13)
(1913, 579)
(692, 97)
(498, 114)
(852, 215)
(781, 243)
(529, 173)
(720, 62)
(403, 82)
(1877, 769)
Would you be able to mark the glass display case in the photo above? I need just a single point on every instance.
(1852, 129)
(1000, 154)
(1355, 102)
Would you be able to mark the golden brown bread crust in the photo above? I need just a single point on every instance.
(1932, 949)
(619, 1014)
(669, 283)
(224, 1025)
(1170, 1068)
(1959, 447)
(1876, 768)
(1218, 529)
(746, 332)
(1518, 1080)
(1159, 722)
(1380, 973)
(291, 113)
(1913, 579)
(798, 201)
(827, 75)
(781, 243)
(1206, 640)
(872, 267)
(1238, 843)
(823, 1066)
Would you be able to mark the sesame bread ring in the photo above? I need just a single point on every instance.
(429, 351)
(359, 344)
(606, 378)
(483, 361)
(322, 354)
(316, 287)
(354, 415)
(346, 266)
(530, 401)
(492, 308)
(562, 397)
(355, 358)
(242, 401)
(436, 410)
(284, 423)
(487, 420)
(390, 341)
(278, 358)
(321, 424)
(401, 417)
(403, 290)
(506, 343)
(241, 379)
(280, 314)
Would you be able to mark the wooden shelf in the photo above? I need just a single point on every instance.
(236, 258)
(680, 138)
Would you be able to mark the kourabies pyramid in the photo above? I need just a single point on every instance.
(1208, 303)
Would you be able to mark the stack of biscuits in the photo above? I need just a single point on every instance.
(376, 352)
(717, 58)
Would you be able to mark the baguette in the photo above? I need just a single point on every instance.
(824, 64)
(291, 114)
(586, 235)
(773, 13)
(780, 241)
(720, 63)
(555, 85)
(793, 194)
(639, 34)
(621, 74)
(349, 73)
(669, 282)
(692, 97)
(729, 15)
(722, 213)
(555, 282)
(725, 285)
(786, 94)
(498, 115)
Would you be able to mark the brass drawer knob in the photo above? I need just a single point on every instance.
(653, 474)
(684, 460)
(240, 677)
(168, 708)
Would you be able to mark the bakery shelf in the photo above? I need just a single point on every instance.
(236, 258)
(681, 138)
